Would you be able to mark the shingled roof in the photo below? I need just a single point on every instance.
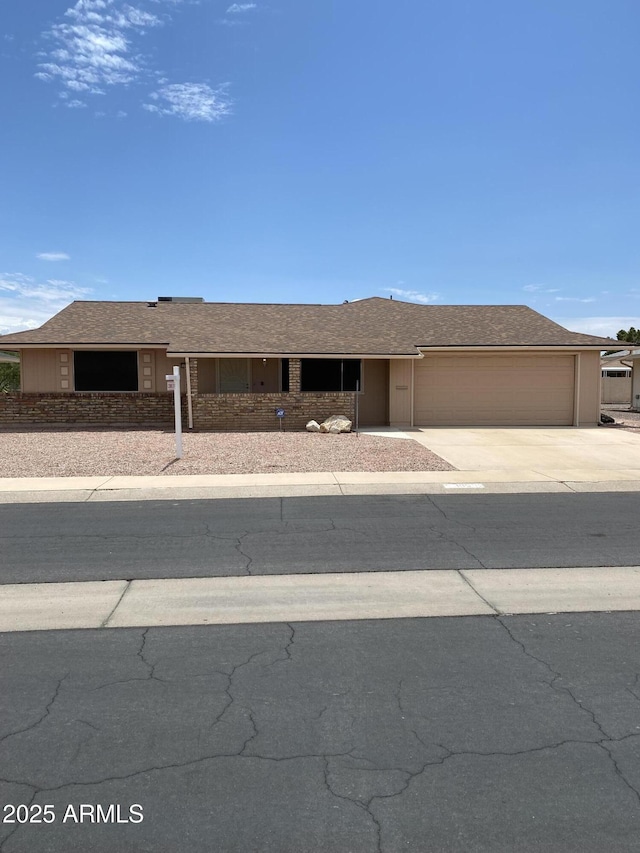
(374, 327)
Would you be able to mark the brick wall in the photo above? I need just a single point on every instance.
(256, 412)
(232, 412)
(88, 409)
(295, 373)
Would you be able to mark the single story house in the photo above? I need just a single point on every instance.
(407, 365)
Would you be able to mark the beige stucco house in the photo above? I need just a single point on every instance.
(408, 364)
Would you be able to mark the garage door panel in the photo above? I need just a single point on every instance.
(496, 390)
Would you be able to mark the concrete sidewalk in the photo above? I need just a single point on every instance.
(194, 487)
(312, 598)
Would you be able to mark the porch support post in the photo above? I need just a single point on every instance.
(294, 375)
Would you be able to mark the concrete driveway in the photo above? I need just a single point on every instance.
(561, 453)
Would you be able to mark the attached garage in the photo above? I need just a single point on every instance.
(506, 389)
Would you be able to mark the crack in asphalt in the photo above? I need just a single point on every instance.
(151, 668)
(238, 546)
(141, 654)
(633, 690)
(367, 805)
(230, 676)
(18, 826)
(432, 500)
(556, 675)
(43, 716)
(358, 803)
(451, 540)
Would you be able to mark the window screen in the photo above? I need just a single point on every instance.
(234, 375)
(105, 370)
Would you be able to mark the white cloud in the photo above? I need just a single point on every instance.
(190, 101)
(96, 48)
(26, 302)
(413, 295)
(238, 8)
(53, 256)
(537, 288)
(573, 299)
(604, 326)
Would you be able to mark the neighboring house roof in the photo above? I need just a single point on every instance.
(614, 365)
(618, 359)
(10, 357)
(373, 326)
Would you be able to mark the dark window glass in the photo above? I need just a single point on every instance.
(329, 374)
(351, 374)
(105, 371)
(284, 374)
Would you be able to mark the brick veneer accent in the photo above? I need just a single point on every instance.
(257, 412)
(295, 372)
(88, 409)
(193, 374)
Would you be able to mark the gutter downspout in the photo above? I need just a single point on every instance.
(576, 391)
(413, 364)
(189, 400)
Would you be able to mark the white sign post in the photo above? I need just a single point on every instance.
(173, 384)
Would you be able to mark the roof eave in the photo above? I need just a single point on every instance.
(512, 347)
(266, 354)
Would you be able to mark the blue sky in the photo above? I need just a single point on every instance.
(305, 151)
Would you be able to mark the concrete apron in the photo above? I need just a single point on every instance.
(554, 452)
(308, 598)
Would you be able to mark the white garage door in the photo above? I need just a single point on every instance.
(494, 390)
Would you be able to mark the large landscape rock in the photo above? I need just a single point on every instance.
(313, 426)
(336, 423)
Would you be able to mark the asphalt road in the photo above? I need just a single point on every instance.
(468, 734)
(155, 539)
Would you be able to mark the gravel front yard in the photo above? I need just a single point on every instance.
(624, 419)
(29, 452)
